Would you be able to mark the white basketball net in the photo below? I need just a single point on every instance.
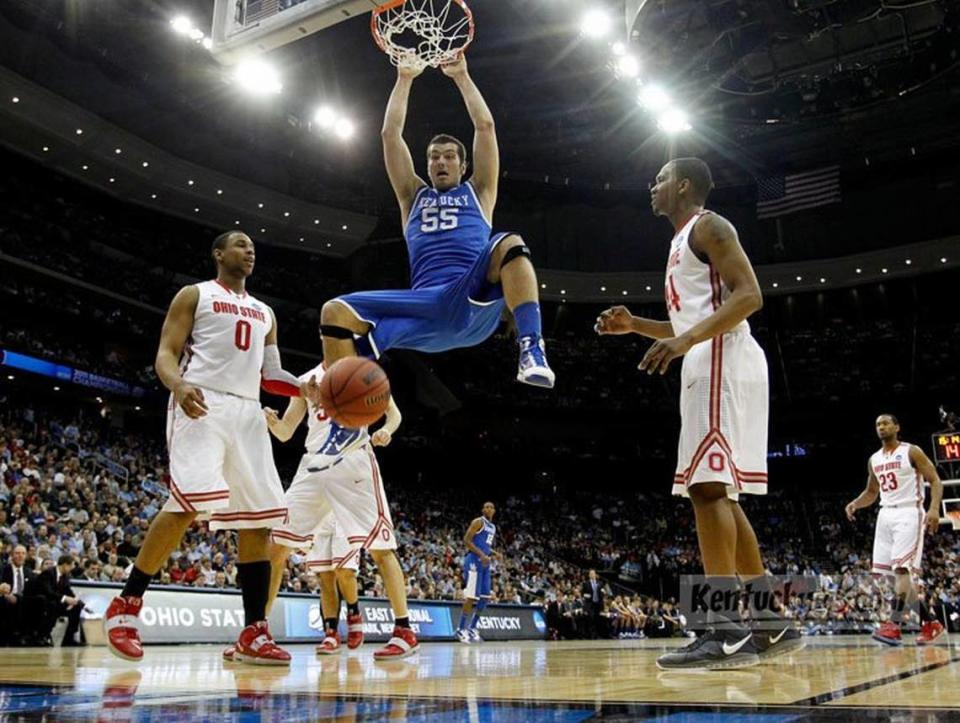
(440, 29)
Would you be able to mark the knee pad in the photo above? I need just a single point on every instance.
(335, 332)
(515, 252)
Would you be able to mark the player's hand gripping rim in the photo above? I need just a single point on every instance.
(190, 399)
(664, 351)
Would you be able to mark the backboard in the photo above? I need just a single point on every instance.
(250, 27)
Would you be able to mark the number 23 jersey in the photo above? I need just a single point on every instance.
(225, 349)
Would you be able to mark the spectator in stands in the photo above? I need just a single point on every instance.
(48, 597)
(14, 577)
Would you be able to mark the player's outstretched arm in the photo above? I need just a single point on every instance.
(283, 427)
(396, 153)
(486, 154)
(866, 498)
(923, 465)
(619, 320)
(277, 380)
(383, 436)
(177, 327)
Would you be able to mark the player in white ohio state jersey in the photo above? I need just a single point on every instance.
(895, 474)
(217, 348)
(710, 291)
(352, 492)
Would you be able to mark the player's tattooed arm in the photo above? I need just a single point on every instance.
(177, 327)
(866, 498)
(396, 154)
(923, 465)
(283, 427)
(714, 240)
(383, 436)
(486, 153)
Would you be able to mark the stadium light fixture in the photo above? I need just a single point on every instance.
(182, 25)
(118, 151)
(654, 98)
(883, 271)
(112, 180)
(799, 278)
(344, 129)
(943, 259)
(85, 166)
(263, 230)
(153, 195)
(648, 288)
(595, 23)
(543, 286)
(859, 271)
(196, 210)
(189, 181)
(673, 120)
(79, 131)
(627, 66)
(219, 191)
(563, 291)
(46, 148)
(823, 280)
(145, 164)
(603, 288)
(908, 262)
(329, 244)
(775, 284)
(344, 227)
(260, 205)
(624, 292)
(15, 99)
(316, 221)
(618, 49)
(286, 214)
(325, 117)
(10, 377)
(257, 77)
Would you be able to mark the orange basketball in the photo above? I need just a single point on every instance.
(355, 392)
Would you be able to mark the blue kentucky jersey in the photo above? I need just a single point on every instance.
(483, 540)
(446, 232)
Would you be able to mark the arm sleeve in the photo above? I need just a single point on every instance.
(274, 378)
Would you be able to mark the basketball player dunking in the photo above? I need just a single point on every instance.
(217, 347)
(476, 573)
(895, 473)
(461, 276)
(710, 291)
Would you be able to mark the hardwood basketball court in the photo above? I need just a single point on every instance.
(839, 678)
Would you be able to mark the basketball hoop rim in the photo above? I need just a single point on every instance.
(380, 9)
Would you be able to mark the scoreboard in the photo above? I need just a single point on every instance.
(946, 448)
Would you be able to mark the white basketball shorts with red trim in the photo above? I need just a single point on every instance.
(724, 406)
(898, 543)
(330, 548)
(352, 490)
(221, 464)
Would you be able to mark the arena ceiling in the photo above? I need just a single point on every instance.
(769, 86)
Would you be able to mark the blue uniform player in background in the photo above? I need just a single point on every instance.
(476, 573)
(462, 275)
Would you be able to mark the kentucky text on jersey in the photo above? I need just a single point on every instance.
(446, 233)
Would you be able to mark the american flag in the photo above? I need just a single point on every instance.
(781, 195)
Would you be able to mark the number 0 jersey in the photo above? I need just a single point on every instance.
(446, 232)
(225, 349)
(693, 288)
(900, 481)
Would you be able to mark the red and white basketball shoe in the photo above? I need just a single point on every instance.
(930, 631)
(256, 646)
(122, 627)
(402, 644)
(228, 654)
(889, 633)
(354, 631)
(330, 645)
